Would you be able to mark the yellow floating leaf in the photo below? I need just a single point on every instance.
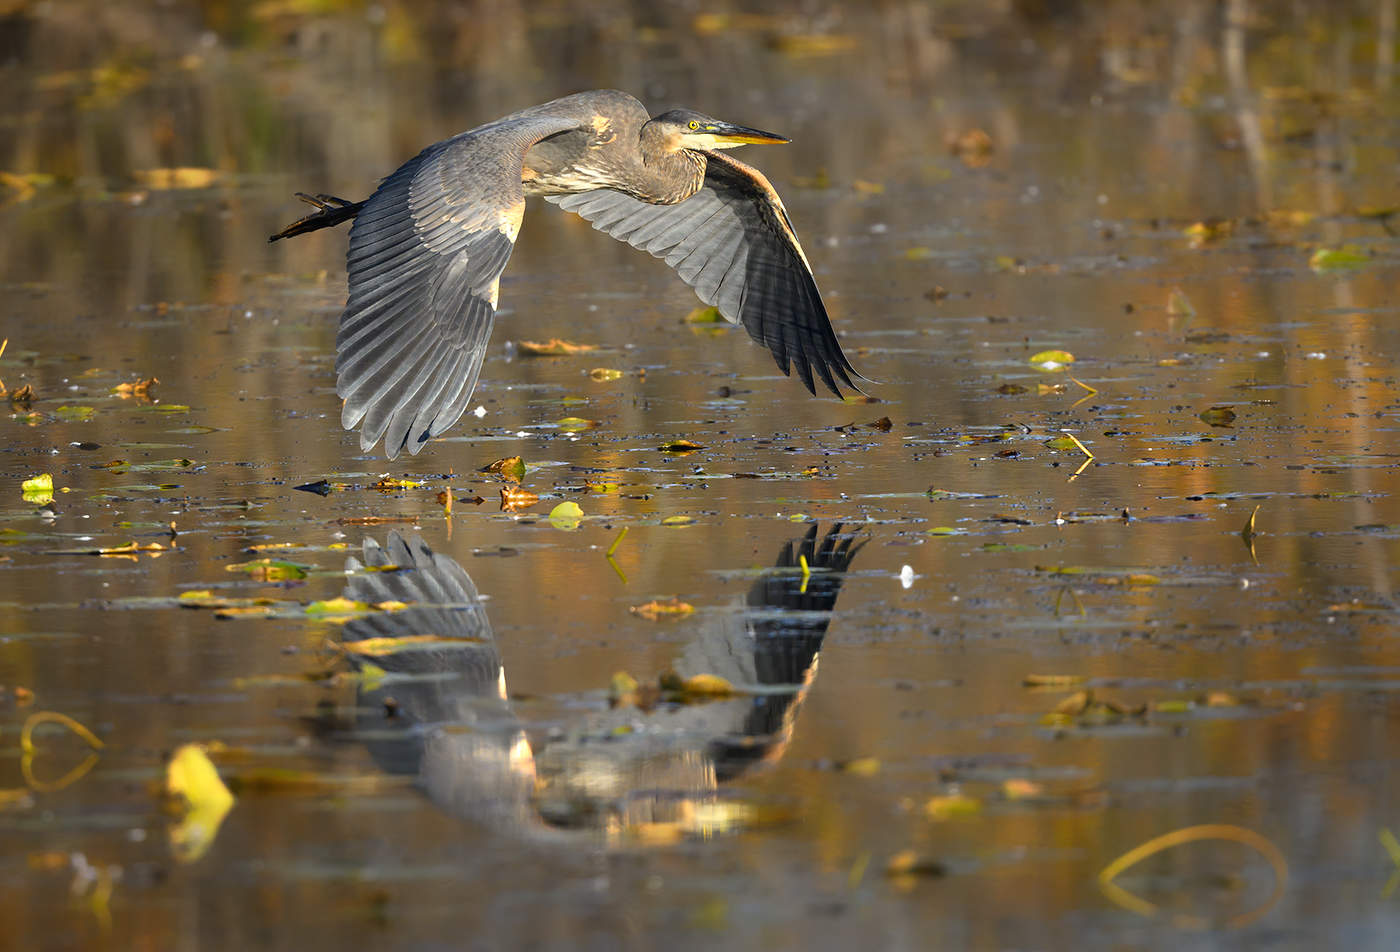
(390, 483)
(868, 188)
(41, 483)
(552, 348)
(1019, 788)
(181, 177)
(269, 570)
(379, 647)
(1178, 305)
(1344, 258)
(192, 781)
(576, 423)
(337, 606)
(1208, 230)
(678, 521)
(38, 489)
(706, 685)
(605, 373)
(655, 610)
(1054, 681)
(602, 487)
(566, 516)
(705, 315)
(951, 807)
(862, 766)
(812, 44)
(1052, 360)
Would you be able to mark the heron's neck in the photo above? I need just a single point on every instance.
(667, 175)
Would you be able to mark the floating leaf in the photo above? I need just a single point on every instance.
(1052, 360)
(1218, 416)
(1209, 230)
(951, 807)
(388, 484)
(1345, 258)
(513, 499)
(337, 606)
(605, 373)
(269, 570)
(38, 489)
(193, 782)
(906, 864)
(862, 766)
(705, 315)
(141, 389)
(511, 468)
(678, 521)
(1178, 305)
(656, 610)
(602, 487)
(75, 414)
(129, 550)
(680, 447)
(1055, 681)
(973, 147)
(566, 515)
(1062, 443)
(867, 188)
(706, 686)
(552, 348)
(380, 647)
(44, 482)
(182, 177)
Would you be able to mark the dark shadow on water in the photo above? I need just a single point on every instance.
(442, 713)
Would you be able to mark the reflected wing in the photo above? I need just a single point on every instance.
(425, 260)
(733, 243)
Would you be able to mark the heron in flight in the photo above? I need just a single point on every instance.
(428, 247)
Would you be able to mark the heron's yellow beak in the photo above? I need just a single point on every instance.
(726, 134)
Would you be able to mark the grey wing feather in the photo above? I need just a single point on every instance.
(425, 260)
(732, 242)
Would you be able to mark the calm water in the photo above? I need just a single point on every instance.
(494, 792)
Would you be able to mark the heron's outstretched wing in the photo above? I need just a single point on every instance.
(425, 260)
(733, 243)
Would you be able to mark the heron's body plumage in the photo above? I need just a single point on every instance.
(427, 249)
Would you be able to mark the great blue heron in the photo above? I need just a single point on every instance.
(428, 247)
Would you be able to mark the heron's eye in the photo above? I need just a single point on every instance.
(694, 124)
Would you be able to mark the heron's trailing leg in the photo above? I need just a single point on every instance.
(330, 211)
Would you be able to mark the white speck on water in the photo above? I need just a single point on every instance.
(907, 576)
(1315, 355)
(479, 412)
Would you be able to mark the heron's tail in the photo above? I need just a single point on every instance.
(329, 211)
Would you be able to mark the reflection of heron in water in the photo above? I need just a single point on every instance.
(443, 713)
(428, 247)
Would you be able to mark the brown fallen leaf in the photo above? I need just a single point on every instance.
(513, 499)
(973, 147)
(140, 389)
(511, 468)
(656, 610)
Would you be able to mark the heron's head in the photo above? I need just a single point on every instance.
(688, 129)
